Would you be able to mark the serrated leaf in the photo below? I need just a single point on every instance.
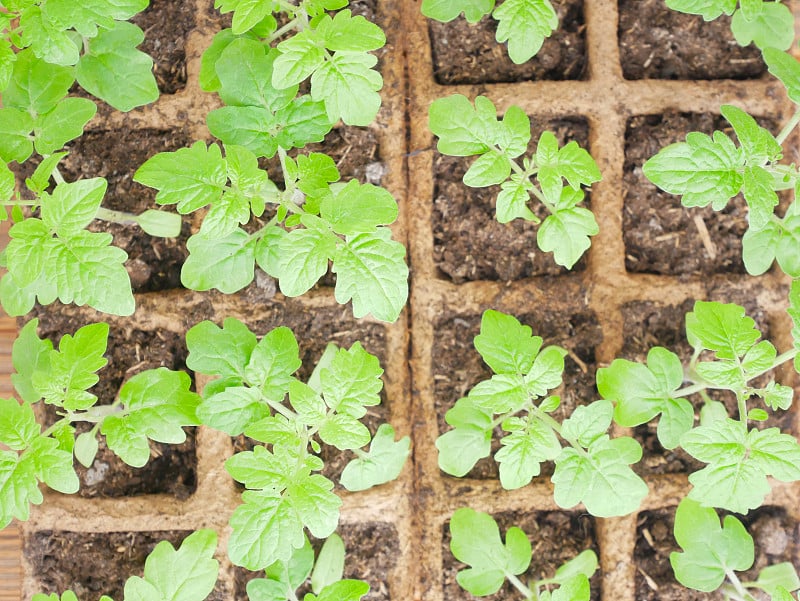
(447, 10)
(352, 381)
(53, 465)
(571, 162)
(29, 355)
(759, 248)
(349, 87)
(47, 41)
(566, 234)
(358, 208)
(220, 351)
(794, 313)
(523, 452)
(18, 487)
(722, 328)
(304, 256)
(786, 68)
(512, 202)
(778, 575)
(460, 130)
(524, 24)
(346, 33)
(758, 190)
(299, 57)
(469, 441)
(73, 206)
(36, 86)
(758, 143)
(383, 462)
(245, 70)
(371, 271)
(18, 427)
(505, 344)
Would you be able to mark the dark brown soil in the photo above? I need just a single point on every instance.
(468, 241)
(556, 537)
(458, 366)
(95, 564)
(313, 332)
(172, 469)
(659, 43)
(466, 54)
(647, 325)
(661, 235)
(166, 25)
(774, 532)
(371, 549)
(153, 263)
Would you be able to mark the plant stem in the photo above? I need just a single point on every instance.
(119, 217)
(58, 177)
(286, 28)
(687, 390)
(556, 427)
(737, 585)
(520, 586)
(280, 408)
(787, 129)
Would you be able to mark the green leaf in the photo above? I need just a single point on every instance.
(86, 447)
(703, 169)
(469, 441)
(209, 81)
(190, 177)
(571, 162)
(512, 202)
(18, 487)
(73, 206)
(566, 233)
(272, 362)
(62, 124)
(794, 313)
(460, 130)
(308, 405)
(36, 86)
(15, 142)
(507, 346)
(188, 574)
(47, 41)
(786, 68)
(330, 564)
(301, 122)
(382, 463)
(29, 354)
(770, 28)
(490, 169)
(371, 271)
(114, 70)
(447, 10)
(346, 33)
(245, 70)
(349, 87)
(220, 351)
(249, 13)
(722, 328)
(227, 264)
(40, 180)
(583, 564)
(524, 24)
(18, 427)
(778, 575)
(7, 186)
(358, 208)
(778, 455)
(758, 144)
(30, 250)
(588, 422)
(710, 9)
(759, 248)
(601, 480)
(523, 451)
(304, 256)
(500, 394)
(7, 60)
(53, 465)
(344, 590)
(260, 468)
(709, 551)
(299, 57)
(352, 381)
(760, 195)
(476, 542)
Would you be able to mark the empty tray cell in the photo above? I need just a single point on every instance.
(466, 54)
(457, 367)
(556, 537)
(656, 42)
(468, 241)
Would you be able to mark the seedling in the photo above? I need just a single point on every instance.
(467, 131)
(283, 578)
(591, 468)
(188, 574)
(283, 496)
(154, 405)
(524, 24)
(711, 555)
(727, 356)
(767, 23)
(89, 41)
(476, 541)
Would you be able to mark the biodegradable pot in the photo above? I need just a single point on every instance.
(649, 263)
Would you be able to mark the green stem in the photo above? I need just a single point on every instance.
(58, 177)
(260, 233)
(787, 129)
(285, 29)
(779, 360)
(687, 390)
(520, 586)
(737, 585)
(741, 402)
(119, 217)
(280, 408)
(556, 427)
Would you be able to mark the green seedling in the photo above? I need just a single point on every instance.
(727, 356)
(152, 405)
(90, 41)
(476, 542)
(284, 493)
(524, 24)
(283, 578)
(591, 468)
(713, 554)
(464, 130)
(188, 574)
(767, 23)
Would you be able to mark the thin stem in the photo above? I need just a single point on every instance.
(687, 390)
(119, 217)
(787, 129)
(520, 586)
(58, 177)
(741, 401)
(260, 233)
(280, 408)
(779, 360)
(737, 585)
(285, 29)
(556, 427)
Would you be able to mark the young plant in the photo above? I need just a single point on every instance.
(727, 356)
(283, 494)
(283, 578)
(767, 23)
(188, 574)
(154, 405)
(524, 24)
(89, 41)
(591, 468)
(711, 555)
(467, 131)
(476, 542)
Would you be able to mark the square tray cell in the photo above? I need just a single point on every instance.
(468, 54)
(774, 532)
(172, 469)
(556, 537)
(94, 564)
(371, 548)
(648, 324)
(656, 42)
(457, 366)
(468, 242)
(314, 330)
(661, 235)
